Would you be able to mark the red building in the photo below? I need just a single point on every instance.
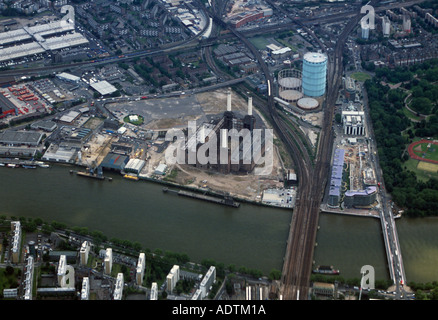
(243, 18)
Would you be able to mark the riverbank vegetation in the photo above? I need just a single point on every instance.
(425, 291)
(394, 131)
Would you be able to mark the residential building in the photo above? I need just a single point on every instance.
(84, 251)
(108, 261)
(141, 264)
(172, 278)
(118, 290)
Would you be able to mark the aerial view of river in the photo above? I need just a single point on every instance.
(251, 236)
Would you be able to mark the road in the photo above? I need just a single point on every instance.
(389, 230)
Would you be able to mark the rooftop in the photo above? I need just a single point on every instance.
(315, 57)
(22, 137)
(103, 87)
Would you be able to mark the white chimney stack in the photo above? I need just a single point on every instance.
(250, 106)
(229, 101)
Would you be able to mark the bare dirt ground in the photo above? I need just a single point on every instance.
(214, 102)
(100, 145)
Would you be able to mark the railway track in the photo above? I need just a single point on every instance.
(299, 254)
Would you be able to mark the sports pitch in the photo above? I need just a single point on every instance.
(426, 151)
(427, 166)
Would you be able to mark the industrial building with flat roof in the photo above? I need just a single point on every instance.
(20, 138)
(59, 153)
(12, 152)
(114, 161)
(68, 77)
(135, 165)
(37, 39)
(103, 87)
(70, 117)
(7, 107)
(46, 125)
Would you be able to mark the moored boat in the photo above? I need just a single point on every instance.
(326, 270)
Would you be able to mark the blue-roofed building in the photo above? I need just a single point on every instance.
(334, 196)
(336, 178)
(114, 161)
(360, 198)
(337, 172)
(336, 182)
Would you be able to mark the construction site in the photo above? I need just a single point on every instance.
(139, 151)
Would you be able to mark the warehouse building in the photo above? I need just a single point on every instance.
(7, 107)
(114, 161)
(20, 138)
(103, 87)
(17, 152)
(70, 117)
(160, 169)
(45, 125)
(135, 165)
(68, 77)
(63, 154)
(38, 39)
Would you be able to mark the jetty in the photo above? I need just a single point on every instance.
(90, 173)
(227, 200)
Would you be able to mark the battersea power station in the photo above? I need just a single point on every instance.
(229, 144)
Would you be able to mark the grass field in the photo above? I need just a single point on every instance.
(360, 76)
(260, 42)
(427, 166)
(137, 123)
(410, 115)
(422, 175)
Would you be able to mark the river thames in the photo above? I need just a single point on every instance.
(251, 236)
